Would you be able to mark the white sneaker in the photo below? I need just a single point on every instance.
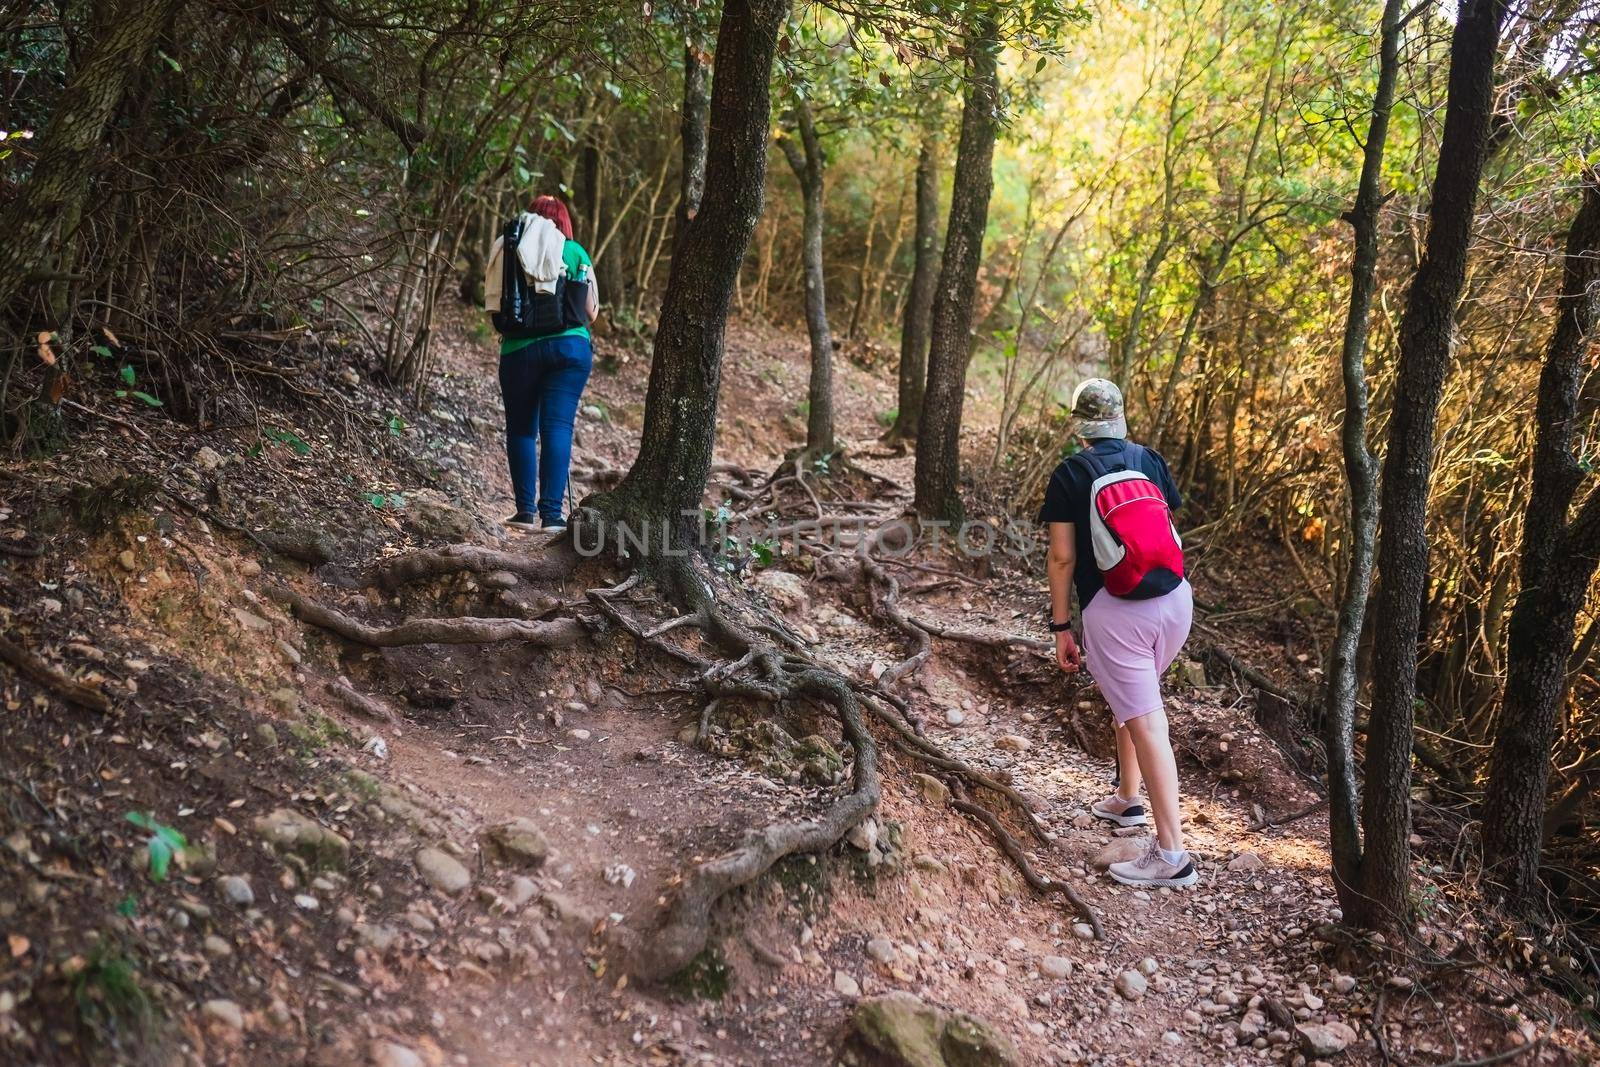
(1122, 812)
(1151, 869)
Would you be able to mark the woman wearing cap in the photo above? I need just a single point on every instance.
(1108, 511)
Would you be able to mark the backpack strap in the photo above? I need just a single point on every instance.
(1097, 467)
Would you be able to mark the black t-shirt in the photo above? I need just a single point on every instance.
(1067, 500)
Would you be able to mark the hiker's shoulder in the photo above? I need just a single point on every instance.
(575, 251)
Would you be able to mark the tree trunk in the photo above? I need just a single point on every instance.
(1360, 471)
(668, 477)
(919, 302)
(596, 221)
(1425, 336)
(805, 159)
(692, 130)
(938, 468)
(69, 143)
(1556, 568)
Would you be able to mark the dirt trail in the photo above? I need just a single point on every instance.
(614, 785)
(429, 945)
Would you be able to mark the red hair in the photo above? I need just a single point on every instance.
(554, 210)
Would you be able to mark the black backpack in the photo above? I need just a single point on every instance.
(524, 312)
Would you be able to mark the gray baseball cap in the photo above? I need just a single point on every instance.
(1097, 407)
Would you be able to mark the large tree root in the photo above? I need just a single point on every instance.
(462, 631)
(552, 565)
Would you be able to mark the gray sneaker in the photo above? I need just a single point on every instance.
(1117, 810)
(1151, 869)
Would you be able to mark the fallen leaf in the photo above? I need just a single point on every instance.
(19, 945)
(47, 357)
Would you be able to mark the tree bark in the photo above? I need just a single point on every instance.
(806, 160)
(595, 221)
(1425, 339)
(1361, 472)
(692, 131)
(69, 142)
(1558, 561)
(668, 478)
(938, 468)
(915, 327)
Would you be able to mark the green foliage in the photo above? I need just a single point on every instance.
(286, 438)
(162, 845)
(113, 1008)
(706, 977)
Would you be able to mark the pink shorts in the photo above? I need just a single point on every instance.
(1129, 644)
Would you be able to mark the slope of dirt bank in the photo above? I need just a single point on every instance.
(439, 877)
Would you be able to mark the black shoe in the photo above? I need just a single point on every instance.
(553, 524)
(523, 520)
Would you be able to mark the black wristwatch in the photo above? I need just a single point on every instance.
(1060, 627)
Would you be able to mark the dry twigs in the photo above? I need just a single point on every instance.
(37, 670)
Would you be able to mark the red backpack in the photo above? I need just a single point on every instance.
(1136, 546)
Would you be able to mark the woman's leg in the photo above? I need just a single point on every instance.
(519, 392)
(1148, 734)
(568, 361)
(1128, 776)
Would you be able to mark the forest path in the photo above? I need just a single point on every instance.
(615, 787)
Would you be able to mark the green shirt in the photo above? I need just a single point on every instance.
(576, 262)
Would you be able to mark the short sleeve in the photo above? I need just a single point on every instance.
(1164, 479)
(1059, 497)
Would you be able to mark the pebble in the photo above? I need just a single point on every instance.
(236, 890)
(523, 889)
(1056, 967)
(225, 1012)
(579, 735)
(1247, 861)
(1400, 981)
(1343, 983)
(863, 835)
(125, 557)
(306, 901)
(881, 949)
(1324, 1039)
(954, 717)
(1148, 966)
(442, 871)
(1172, 1037)
(1083, 931)
(1132, 985)
(845, 985)
(1013, 743)
(390, 1054)
(216, 946)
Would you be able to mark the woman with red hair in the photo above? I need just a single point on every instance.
(545, 353)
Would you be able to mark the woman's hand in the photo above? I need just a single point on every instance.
(1067, 655)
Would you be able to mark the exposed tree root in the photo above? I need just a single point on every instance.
(552, 565)
(37, 670)
(462, 631)
(1008, 844)
(360, 703)
(758, 672)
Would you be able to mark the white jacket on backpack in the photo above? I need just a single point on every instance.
(540, 253)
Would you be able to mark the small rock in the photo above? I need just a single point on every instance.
(1400, 981)
(389, 1054)
(1324, 1039)
(1013, 743)
(523, 889)
(845, 985)
(266, 735)
(785, 589)
(499, 580)
(216, 946)
(1083, 931)
(1120, 850)
(125, 557)
(863, 835)
(1343, 983)
(518, 842)
(579, 735)
(1132, 985)
(1246, 861)
(1172, 1037)
(236, 890)
(620, 874)
(442, 871)
(881, 949)
(306, 901)
(934, 791)
(1148, 966)
(288, 831)
(225, 1012)
(208, 458)
(1056, 966)
(379, 937)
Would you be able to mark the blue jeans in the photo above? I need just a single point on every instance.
(540, 385)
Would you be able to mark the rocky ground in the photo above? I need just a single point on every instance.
(425, 854)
